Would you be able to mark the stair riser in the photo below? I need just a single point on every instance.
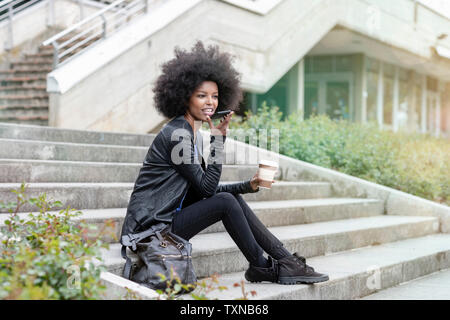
(30, 64)
(22, 91)
(290, 192)
(88, 197)
(10, 149)
(73, 136)
(92, 196)
(309, 214)
(31, 101)
(15, 172)
(23, 112)
(233, 260)
(9, 82)
(34, 122)
(27, 73)
(279, 217)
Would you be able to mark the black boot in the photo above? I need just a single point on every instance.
(258, 274)
(293, 269)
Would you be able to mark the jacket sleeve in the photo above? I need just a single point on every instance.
(235, 188)
(182, 158)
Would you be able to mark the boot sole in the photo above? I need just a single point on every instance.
(305, 280)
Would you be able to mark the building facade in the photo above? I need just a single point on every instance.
(360, 87)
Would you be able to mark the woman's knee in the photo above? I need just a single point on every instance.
(227, 201)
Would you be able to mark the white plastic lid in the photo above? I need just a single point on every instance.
(268, 163)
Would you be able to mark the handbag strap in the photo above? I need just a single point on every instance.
(127, 268)
(130, 240)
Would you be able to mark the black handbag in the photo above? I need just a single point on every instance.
(158, 250)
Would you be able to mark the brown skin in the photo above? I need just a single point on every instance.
(206, 96)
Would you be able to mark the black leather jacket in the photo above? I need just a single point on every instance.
(170, 170)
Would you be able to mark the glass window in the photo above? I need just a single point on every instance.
(416, 109)
(323, 64)
(343, 63)
(372, 65)
(276, 96)
(308, 67)
(388, 70)
(403, 106)
(432, 84)
(388, 99)
(372, 85)
(311, 98)
(431, 112)
(338, 94)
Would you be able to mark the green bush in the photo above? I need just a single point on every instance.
(410, 162)
(49, 255)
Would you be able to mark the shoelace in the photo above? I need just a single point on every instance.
(303, 260)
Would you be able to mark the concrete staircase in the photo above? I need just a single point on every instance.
(23, 86)
(352, 239)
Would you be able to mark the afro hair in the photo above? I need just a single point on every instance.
(184, 73)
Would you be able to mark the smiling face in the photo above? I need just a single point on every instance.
(203, 101)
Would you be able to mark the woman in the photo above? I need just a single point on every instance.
(175, 186)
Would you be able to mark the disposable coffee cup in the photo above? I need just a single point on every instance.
(266, 172)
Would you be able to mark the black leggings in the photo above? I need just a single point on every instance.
(244, 227)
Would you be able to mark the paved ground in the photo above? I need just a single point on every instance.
(435, 286)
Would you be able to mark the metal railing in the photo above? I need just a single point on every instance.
(94, 28)
(8, 9)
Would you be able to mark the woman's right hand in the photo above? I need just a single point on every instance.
(221, 128)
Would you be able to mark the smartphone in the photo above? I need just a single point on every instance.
(220, 114)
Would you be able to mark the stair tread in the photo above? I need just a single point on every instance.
(343, 265)
(430, 287)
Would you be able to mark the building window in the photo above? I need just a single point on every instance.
(403, 105)
(415, 117)
(311, 99)
(372, 67)
(388, 93)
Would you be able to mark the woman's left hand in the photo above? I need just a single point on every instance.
(254, 182)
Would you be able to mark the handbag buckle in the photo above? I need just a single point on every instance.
(163, 244)
(180, 245)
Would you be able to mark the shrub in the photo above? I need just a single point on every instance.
(410, 162)
(49, 255)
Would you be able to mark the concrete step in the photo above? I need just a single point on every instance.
(276, 213)
(24, 100)
(43, 150)
(39, 56)
(35, 121)
(435, 286)
(117, 195)
(24, 81)
(271, 213)
(22, 90)
(217, 253)
(31, 63)
(24, 72)
(18, 112)
(353, 273)
(80, 171)
(28, 132)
